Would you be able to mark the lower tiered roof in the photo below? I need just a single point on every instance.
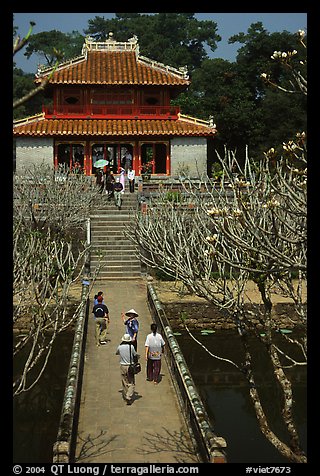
(184, 126)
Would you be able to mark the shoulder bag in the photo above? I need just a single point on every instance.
(134, 367)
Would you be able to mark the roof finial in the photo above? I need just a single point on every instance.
(134, 39)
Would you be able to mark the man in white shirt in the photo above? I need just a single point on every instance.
(131, 175)
(127, 353)
(154, 346)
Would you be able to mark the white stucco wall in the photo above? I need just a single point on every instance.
(189, 154)
(33, 151)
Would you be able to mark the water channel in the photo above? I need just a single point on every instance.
(223, 389)
(36, 413)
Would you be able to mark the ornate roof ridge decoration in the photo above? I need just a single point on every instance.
(182, 72)
(111, 45)
(195, 120)
(42, 70)
(26, 120)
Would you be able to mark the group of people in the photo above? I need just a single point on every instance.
(105, 179)
(128, 348)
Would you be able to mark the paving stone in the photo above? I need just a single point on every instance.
(152, 429)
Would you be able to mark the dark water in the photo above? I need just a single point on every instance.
(36, 413)
(224, 391)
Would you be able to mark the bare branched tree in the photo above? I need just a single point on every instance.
(247, 228)
(49, 251)
(216, 237)
(298, 84)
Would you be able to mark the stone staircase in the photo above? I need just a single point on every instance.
(108, 240)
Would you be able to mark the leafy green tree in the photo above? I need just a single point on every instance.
(280, 114)
(176, 39)
(26, 98)
(235, 94)
(54, 45)
(22, 85)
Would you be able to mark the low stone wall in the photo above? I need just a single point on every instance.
(33, 151)
(63, 448)
(207, 316)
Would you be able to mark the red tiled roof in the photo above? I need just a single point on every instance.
(115, 67)
(111, 127)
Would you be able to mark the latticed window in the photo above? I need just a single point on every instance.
(107, 97)
(71, 96)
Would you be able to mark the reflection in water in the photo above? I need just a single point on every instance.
(36, 413)
(224, 391)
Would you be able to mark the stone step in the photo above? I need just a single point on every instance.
(107, 236)
(110, 221)
(117, 271)
(126, 198)
(124, 265)
(114, 252)
(106, 256)
(110, 224)
(116, 216)
(113, 210)
(113, 248)
(119, 277)
(117, 265)
(110, 247)
(110, 238)
(125, 220)
(110, 255)
(100, 231)
(118, 274)
(112, 242)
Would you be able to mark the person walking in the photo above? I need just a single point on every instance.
(154, 347)
(100, 179)
(117, 192)
(95, 299)
(132, 325)
(109, 185)
(127, 354)
(122, 179)
(131, 175)
(101, 317)
(127, 160)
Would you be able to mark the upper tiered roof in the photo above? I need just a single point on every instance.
(114, 63)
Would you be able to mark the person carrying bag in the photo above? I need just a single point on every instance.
(134, 367)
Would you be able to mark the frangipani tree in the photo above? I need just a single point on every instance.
(251, 226)
(49, 254)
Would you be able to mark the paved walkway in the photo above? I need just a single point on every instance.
(152, 429)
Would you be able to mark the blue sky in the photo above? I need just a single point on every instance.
(228, 24)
